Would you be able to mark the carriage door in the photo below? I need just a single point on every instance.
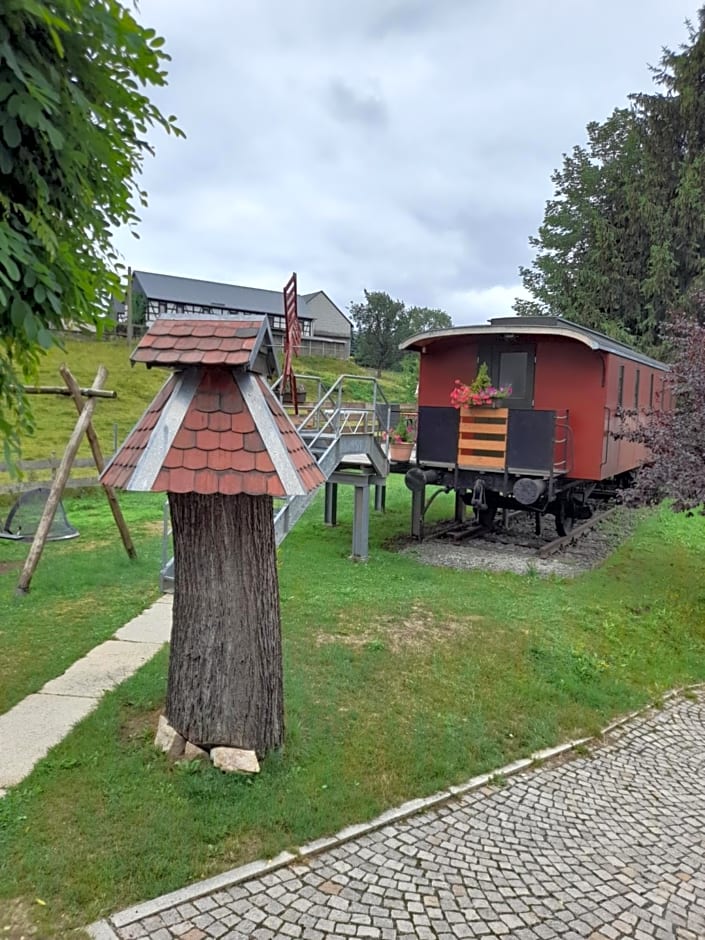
(511, 364)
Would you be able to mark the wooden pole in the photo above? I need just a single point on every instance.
(58, 390)
(57, 487)
(72, 386)
(128, 305)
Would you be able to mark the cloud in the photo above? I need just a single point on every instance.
(397, 145)
(480, 305)
(347, 104)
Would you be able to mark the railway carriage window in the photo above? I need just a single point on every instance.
(651, 391)
(620, 387)
(637, 377)
(513, 370)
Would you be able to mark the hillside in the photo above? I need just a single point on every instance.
(136, 386)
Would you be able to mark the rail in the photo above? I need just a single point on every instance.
(321, 386)
(36, 477)
(332, 416)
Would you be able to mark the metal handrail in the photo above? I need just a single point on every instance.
(320, 384)
(326, 415)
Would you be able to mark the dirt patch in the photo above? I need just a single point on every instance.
(17, 920)
(151, 527)
(138, 726)
(397, 632)
(6, 566)
(514, 548)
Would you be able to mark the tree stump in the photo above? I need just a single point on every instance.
(225, 682)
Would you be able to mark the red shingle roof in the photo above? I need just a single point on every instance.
(220, 443)
(214, 341)
(122, 466)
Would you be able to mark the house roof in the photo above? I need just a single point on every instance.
(179, 341)
(215, 430)
(533, 326)
(187, 290)
(316, 293)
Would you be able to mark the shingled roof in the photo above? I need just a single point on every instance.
(215, 426)
(175, 342)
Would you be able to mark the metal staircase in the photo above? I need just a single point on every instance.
(346, 440)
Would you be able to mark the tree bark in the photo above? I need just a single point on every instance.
(225, 682)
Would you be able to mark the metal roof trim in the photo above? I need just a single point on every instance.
(165, 430)
(592, 339)
(254, 397)
(264, 338)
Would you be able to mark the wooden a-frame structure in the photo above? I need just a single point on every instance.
(83, 426)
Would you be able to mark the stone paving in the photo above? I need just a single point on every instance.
(600, 846)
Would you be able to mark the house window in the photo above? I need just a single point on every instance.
(278, 323)
(637, 379)
(620, 387)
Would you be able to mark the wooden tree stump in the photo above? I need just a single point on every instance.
(225, 682)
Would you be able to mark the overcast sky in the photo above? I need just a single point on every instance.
(396, 145)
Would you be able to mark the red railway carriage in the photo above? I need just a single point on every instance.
(552, 441)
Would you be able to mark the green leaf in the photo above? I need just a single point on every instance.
(45, 339)
(11, 268)
(55, 136)
(11, 133)
(19, 311)
(5, 161)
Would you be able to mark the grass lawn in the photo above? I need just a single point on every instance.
(400, 679)
(83, 590)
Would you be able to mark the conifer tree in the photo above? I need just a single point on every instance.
(623, 239)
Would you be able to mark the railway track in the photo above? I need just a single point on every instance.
(558, 544)
(461, 532)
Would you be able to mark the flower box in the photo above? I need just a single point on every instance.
(482, 438)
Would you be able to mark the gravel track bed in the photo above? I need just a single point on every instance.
(514, 549)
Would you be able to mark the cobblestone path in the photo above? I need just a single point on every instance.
(602, 846)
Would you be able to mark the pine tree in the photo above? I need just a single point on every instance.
(622, 240)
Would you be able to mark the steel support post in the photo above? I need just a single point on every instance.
(380, 497)
(331, 504)
(361, 522)
(460, 508)
(418, 500)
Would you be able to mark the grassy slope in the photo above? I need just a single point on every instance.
(56, 417)
(400, 679)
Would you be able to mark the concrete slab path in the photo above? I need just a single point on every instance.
(30, 729)
(606, 845)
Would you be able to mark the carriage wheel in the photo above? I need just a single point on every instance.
(565, 516)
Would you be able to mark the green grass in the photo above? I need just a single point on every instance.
(83, 591)
(400, 679)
